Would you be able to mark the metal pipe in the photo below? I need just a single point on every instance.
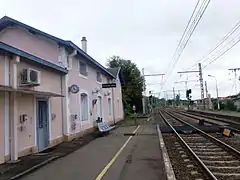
(216, 90)
(113, 107)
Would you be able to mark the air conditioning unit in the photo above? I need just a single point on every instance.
(30, 77)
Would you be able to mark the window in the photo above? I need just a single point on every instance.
(109, 80)
(109, 107)
(84, 107)
(99, 77)
(83, 68)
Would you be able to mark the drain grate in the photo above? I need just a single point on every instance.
(140, 134)
(129, 134)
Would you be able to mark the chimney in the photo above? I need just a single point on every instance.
(84, 44)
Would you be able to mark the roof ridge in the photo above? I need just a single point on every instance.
(67, 43)
(5, 18)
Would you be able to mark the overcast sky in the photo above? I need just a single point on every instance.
(146, 32)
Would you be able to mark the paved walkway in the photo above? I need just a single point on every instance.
(140, 159)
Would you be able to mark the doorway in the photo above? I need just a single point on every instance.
(42, 124)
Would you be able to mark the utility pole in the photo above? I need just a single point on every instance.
(186, 81)
(201, 84)
(174, 98)
(179, 98)
(236, 79)
(144, 94)
(144, 88)
(200, 79)
(216, 90)
(165, 99)
(172, 91)
(206, 89)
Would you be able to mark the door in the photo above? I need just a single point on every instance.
(99, 107)
(42, 125)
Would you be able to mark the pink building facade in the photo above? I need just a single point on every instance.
(50, 91)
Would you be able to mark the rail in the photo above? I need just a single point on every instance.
(211, 137)
(205, 167)
(210, 121)
(186, 145)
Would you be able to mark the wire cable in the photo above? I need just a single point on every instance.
(186, 36)
(221, 54)
(185, 30)
(223, 40)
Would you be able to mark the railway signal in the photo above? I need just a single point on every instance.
(188, 92)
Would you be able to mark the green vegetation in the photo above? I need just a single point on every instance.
(133, 87)
(227, 105)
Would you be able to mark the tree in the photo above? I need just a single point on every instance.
(177, 100)
(133, 86)
(170, 102)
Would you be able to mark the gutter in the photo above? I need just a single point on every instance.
(64, 88)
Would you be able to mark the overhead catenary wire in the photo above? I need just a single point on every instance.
(229, 40)
(185, 30)
(221, 42)
(222, 53)
(190, 28)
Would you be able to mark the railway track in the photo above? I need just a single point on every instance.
(218, 159)
(173, 121)
(228, 122)
(210, 120)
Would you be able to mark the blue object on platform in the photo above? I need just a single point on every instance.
(104, 127)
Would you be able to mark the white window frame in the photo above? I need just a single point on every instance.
(100, 95)
(83, 75)
(80, 107)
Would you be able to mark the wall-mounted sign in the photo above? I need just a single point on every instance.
(109, 85)
(73, 88)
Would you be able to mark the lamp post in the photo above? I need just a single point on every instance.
(216, 91)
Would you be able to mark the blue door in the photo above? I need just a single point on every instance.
(42, 125)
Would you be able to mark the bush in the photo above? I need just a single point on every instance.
(230, 106)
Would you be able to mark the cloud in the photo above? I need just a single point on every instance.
(145, 32)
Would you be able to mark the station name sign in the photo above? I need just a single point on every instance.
(109, 85)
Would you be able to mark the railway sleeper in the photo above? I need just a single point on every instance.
(223, 162)
(227, 174)
(224, 167)
(225, 171)
(227, 157)
(210, 153)
(206, 149)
